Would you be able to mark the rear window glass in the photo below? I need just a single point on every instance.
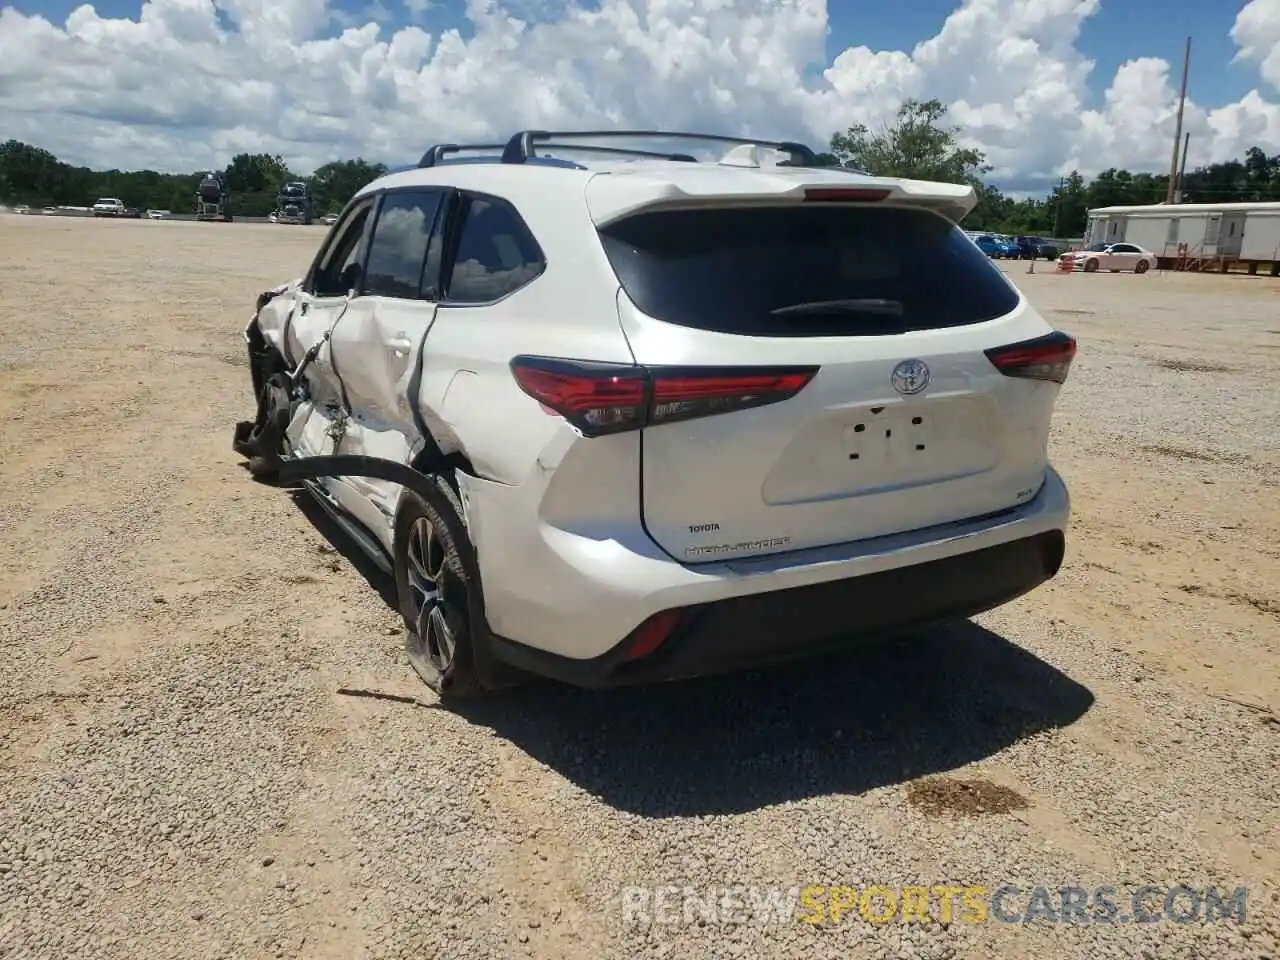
(805, 271)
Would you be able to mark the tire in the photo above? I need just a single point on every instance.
(1141, 267)
(1091, 266)
(437, 591)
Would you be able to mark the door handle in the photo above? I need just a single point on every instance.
(400, 345)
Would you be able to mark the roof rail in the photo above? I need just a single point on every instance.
(521, 146)
(436, 153)
(613, 151)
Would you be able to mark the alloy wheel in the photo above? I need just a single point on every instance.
(427, 600)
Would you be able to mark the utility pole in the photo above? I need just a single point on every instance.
(1182, 170)
(1057, 207)
(1177, 136)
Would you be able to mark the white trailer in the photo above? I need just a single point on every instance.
(1262, 238)
(1217, 234)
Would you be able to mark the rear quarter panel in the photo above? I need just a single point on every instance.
(467, 389)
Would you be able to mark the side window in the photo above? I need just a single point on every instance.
(343, 250)
(496, 253)
(398, 249)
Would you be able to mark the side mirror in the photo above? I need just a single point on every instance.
(350, 278)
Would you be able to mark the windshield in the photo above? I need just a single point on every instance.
(1097, 248)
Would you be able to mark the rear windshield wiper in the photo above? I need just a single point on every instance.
(878, 305)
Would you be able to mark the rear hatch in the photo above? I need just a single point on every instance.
(903, 394)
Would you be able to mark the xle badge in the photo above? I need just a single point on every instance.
(910, 377)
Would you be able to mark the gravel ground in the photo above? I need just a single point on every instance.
(181, 777)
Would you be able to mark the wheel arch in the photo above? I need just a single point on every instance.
(432, 460)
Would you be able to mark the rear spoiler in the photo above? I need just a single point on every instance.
(615, 196)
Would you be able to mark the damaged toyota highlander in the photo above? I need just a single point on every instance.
(613, 414)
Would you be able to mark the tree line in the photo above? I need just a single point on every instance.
(917, 143)
(31, 175)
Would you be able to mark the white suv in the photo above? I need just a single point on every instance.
(108, 207)
(628, 417)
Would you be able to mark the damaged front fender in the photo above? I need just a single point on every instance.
(265, 297)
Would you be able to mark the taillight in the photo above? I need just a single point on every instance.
(683, 394)
(1044, 358)
(602, 398)
(597, 398)
(844, 195)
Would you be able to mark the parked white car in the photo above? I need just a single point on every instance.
(108, 207)
(633, 418)
(1111, 256)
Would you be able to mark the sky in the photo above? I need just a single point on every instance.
(1041, 86)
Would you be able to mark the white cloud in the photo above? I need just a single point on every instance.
(191, 82)
(1257, 34)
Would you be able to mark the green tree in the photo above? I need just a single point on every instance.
(991, 210)
(916, 145)
(335, 183)
(1068, 206)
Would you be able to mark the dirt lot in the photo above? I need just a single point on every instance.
(181, 777)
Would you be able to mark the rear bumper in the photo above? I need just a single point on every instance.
(568, 602)
(799, 622)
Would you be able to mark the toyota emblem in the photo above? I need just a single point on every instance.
(910, 377)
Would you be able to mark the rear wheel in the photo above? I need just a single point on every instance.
(437, 591)
(1142, 267)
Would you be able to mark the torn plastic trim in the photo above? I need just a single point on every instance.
(349, 465)
(494, 674)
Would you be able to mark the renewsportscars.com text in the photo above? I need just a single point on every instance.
(974, 904)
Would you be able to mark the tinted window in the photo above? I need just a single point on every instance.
(496, 253)
(345, 248)
(398, 249)
(737, 270)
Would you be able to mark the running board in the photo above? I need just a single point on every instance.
(366, 541)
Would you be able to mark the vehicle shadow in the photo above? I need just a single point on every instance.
(884, 714)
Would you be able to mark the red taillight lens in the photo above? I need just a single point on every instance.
(651, 634)
(1044, 358)
(597, 398)
(601, 398)
(680, 395)
(844, 195)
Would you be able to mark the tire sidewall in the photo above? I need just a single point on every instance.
(444, 511)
